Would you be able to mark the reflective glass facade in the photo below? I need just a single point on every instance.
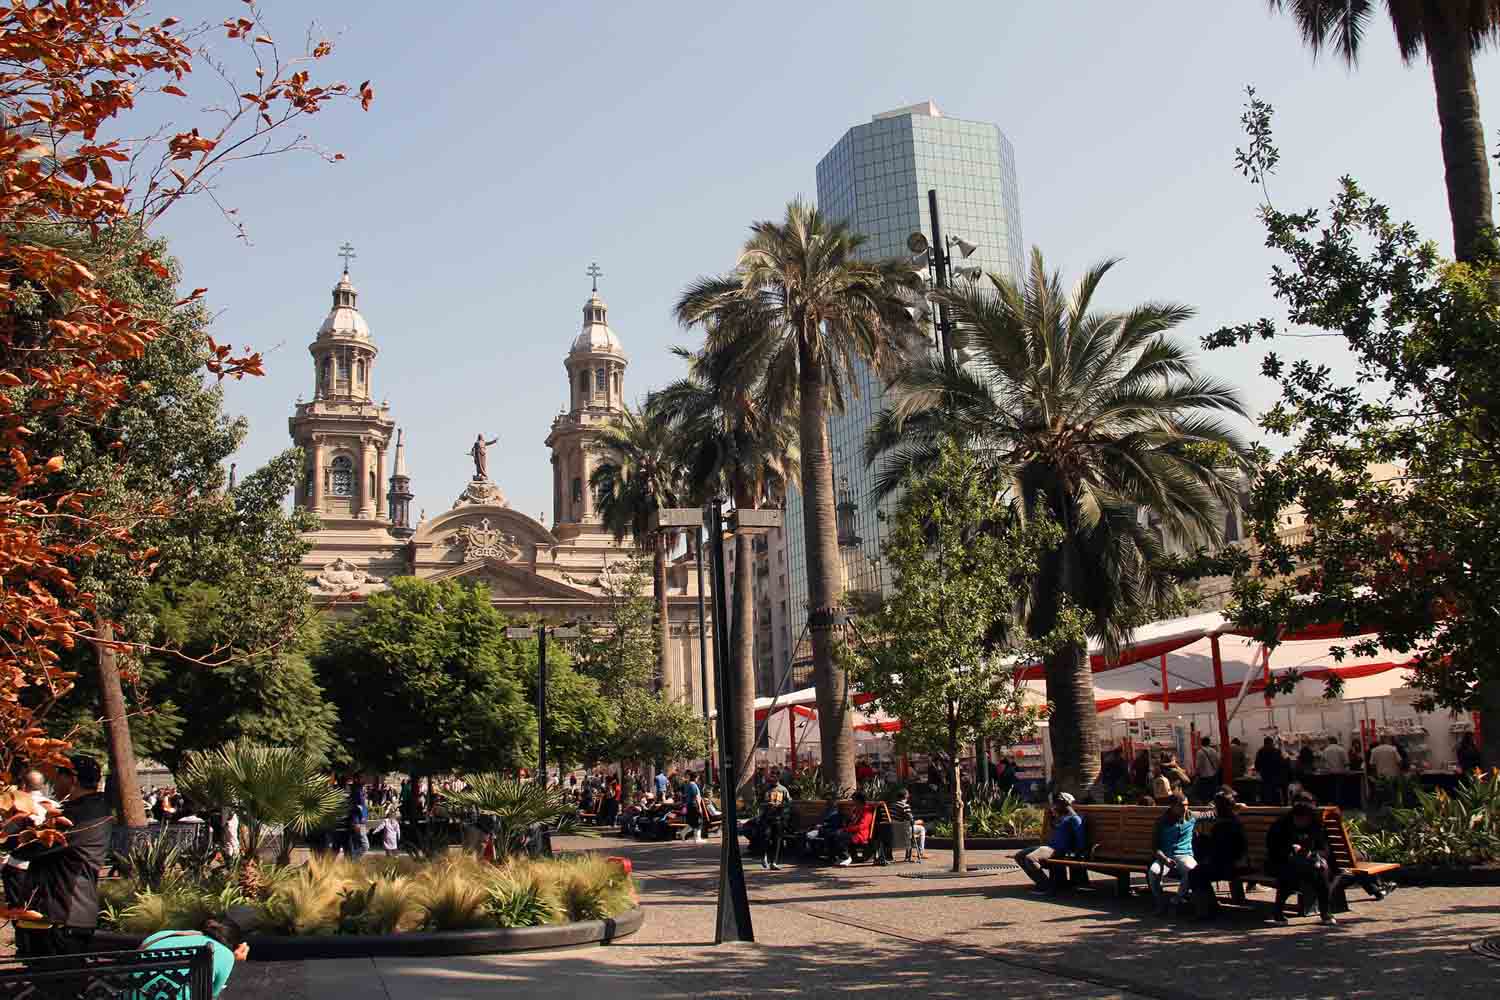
(876, 178)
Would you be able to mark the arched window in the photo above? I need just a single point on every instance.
(327, 373)
(577, 490)
(583, 381)
(374, 489)
(359, 373)
(617, 385)
(600, 381)
(342, 482)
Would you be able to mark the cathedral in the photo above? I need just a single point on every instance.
(355, 481)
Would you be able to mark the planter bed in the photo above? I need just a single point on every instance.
(486, 941)
(982, 843)
(1419, 875)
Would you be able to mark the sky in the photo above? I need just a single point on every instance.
(510, 145)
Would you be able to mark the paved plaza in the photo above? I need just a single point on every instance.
(829, 931)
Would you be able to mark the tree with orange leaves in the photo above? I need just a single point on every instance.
(71, 74)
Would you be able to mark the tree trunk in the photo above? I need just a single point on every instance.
(824, 575)
(663, 624)
(958, 810)
(1073, 727)
(741, 717)
(1489, 723)
(130, 805)
(1466, 166)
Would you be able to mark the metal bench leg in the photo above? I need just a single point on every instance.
(1122, 885)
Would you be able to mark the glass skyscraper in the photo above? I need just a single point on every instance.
(876, 179)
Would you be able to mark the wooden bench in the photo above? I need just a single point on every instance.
(1119, 841)
(809, 813)
(679, 827)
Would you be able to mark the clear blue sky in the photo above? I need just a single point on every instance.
(510, 145)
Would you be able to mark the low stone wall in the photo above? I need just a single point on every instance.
(487, 941)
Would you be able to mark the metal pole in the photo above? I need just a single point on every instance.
(703, 644)
(1222, 713)
(940, 264)
(541, 706)
(734, 904)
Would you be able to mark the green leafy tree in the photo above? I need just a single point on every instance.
(424, 682)
(617, 652)
(1098, 421)
(578, 715)
(1394, 461)
(1449, 33)
(153, 467)
(176, 707)
(942, 654)
(640, 475)
(805, 309)
(732, 444)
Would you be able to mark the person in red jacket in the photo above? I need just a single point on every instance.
(858, 831)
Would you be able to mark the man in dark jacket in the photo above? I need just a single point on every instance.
(1271, 766)
(1298, 854)
(65, 878)
(1225, 855)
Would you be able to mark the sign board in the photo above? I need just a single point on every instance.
(521, 632)
(566, 632)
(677, 517)
(753, 520)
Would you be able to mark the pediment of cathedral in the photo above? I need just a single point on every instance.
(511, 581)
(484, 531)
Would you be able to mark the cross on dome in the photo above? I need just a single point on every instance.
(346, 251)
(595, 273)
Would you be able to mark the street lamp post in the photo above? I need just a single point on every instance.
(939, 256)
(734, 903)
(541, 630)
(702, 636)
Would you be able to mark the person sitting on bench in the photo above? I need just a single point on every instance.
(1299, 855)
(1066, 841)
(1173, 843)
(1228, 853)
(858, 832)
(823, 838)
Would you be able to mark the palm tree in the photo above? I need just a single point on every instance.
(1096, 418)
(1449, 32)
(803, 308)
(730, 442)
(268, 786)
(639, 476)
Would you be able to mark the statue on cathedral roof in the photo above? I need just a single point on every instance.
(481, 456)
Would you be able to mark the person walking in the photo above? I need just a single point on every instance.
(692, 801)
(359, 822)
(775, 812)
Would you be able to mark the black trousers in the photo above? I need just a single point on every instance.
(1304, 875)
(1202, 880)
(54, 940)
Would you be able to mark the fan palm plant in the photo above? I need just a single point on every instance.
(268, 786)
(730, 442)
(1097, 418)
(640, 475)
(1449, 32)
(806, 310)
(515, 805)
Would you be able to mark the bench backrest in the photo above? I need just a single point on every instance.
(809, 812)
(1127, 833)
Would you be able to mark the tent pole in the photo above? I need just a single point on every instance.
(1166, 694)
(1223, 715)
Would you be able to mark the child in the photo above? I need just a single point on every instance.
(223, 939)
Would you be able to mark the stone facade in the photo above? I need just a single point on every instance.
(366, 538)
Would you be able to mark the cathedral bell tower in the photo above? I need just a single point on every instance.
(595, 365)
(343, 433)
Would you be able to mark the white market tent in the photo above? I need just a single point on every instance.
(1186, 667)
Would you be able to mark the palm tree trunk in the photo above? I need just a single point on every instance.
(741, 716)
(824, 573)
(1073, 727)
(663, 625)
(132, 808)
(1466, 164)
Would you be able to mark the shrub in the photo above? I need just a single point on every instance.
(592, 888)
(454, 898)
(524, 896)
(388, 904)
(1451, 831)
